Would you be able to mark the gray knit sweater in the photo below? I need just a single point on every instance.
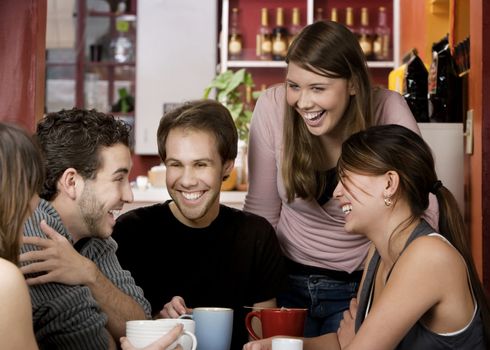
(68, 317)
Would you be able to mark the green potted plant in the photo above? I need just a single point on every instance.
(229, 87)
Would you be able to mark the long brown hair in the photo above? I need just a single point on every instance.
(329, 49)
(21, 176)
(393, 147)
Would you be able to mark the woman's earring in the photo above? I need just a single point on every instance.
(388, 201)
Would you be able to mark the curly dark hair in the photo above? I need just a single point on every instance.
(74, 139)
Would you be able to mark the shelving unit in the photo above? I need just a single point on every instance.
(226, 64)
(110, 71)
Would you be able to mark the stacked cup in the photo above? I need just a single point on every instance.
(142, 333)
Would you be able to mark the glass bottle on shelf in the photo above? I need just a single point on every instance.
(91, 91)
(122, 47)
(365, 34)
(264, 37)
(319, 14)
(334, 15)
(349, 19)
(121, 7)
(279, 37)
(235, 40)
(295, 26)
(381, 45)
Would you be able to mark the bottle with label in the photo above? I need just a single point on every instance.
(319, 14)
(295, 26)
(381, 45)
(349, 19)
(334, 15)
(235, 39)
(365, 34)
(444, 86)
(121, 47)
(264, 37)
(279, 37)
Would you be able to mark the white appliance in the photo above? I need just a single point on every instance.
(176, 59)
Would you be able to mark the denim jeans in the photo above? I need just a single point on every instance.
(326, 299)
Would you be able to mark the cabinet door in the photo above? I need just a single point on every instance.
(176, 60)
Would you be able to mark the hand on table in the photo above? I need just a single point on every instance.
(263, 344)
(160, 344)
(175, 308)
(57, 258)
(346, 331)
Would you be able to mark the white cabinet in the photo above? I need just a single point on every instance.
(447, 143)
(225, 63)
(150, 196)
(176, 60)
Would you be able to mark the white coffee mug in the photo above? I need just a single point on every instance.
(142, 333)
(287, 344)
(189, 324)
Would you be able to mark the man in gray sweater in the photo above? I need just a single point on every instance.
(81, 297)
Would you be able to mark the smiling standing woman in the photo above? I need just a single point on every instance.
(296, 135)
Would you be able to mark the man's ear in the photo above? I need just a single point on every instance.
(68, 183)
(227, 168)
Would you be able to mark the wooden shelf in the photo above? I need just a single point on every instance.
(124, 16)
(381, 64)
(256, 64)
(55, 64)
(93, 64)
(282, 64)
(109, 64)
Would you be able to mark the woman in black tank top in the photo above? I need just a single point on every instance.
(420, 289)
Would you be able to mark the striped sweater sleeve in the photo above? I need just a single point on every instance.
(64, 317)
(103, 253)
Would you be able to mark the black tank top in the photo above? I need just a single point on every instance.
(419, 337)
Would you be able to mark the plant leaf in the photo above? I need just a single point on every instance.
(236, 80)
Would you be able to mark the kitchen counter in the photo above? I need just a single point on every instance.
(149, 196)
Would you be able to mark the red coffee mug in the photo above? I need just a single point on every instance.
(277, 321)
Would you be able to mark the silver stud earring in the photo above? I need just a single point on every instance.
(388, 201)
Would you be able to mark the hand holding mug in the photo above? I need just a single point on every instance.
(275, 343)
(161, 343)
(262, 344)
(175, 308)
(159, 334)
